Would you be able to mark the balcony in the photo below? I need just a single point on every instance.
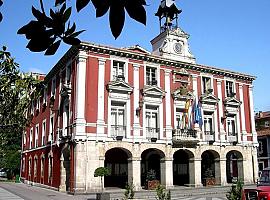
(209, 136)
(152, 133)
(185, 136)
(118, 131)
(232, 137)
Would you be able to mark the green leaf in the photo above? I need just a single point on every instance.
(53, 48)
(71, 41)
(76, 33)
(80, 4)
(67, 14)
(117, 18)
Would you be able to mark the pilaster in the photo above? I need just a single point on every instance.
(136, 100)
(166, 170)
(134, 171)
(243, 120)
(195, 172)
(80, 94)
(168, 105)
(221, 111)
(252, 117)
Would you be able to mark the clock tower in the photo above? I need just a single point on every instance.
(172, 42)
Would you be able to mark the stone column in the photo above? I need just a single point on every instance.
(221, 111)
(136, 99)
(255, 164)
(243, 120)
(166, 172)
(134, 172)
(100, 114)
(80, 95)
(62, 187)
(79, 185)
(253, 128)
(168, 105)
(221, 165)
(195, 174)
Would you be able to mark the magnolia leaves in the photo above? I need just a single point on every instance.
(134, 8)
(46, 32)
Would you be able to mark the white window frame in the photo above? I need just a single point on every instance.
(31, 138)
(120, 106)
(66, 118)
(24, 138)
(230, 119)
(44, 128)
(118, 59)
(151, 78)
(154, 110)
(35, 166)
(36, 135)
(202, 84)
(38, 104)
(209, 116)
(233, 86)
(23, 164)
(53, 87)
(181, 111)
(52, 128)
(45, 96)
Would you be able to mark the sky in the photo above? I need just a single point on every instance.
(231, 34)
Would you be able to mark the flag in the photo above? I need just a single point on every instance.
(198, 115)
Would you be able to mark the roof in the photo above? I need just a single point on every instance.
(262, 115)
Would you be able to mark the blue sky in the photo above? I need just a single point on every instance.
(229, 34)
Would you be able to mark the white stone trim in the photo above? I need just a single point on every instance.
(243, 120)
(120, 59)
(221, 111)
(80, 94)
(252, 117)
(147, 64)
(168, 104)
(136, 99)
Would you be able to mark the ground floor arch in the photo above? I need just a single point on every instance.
(234, 166)
(116, 160)
(182, 167)
(151, 161)
(210, 168)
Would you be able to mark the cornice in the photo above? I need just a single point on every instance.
(163, 61)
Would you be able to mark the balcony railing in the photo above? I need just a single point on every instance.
(118, 130)
(184, 135)
(209, 135)
(152, 132)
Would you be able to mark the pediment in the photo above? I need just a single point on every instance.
(177, 95)
(153, 91)
(232, 102)
(209, 99)
(137, 49)
(119, 86)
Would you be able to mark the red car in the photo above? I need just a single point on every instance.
(262, 192)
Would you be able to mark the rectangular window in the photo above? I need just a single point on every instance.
(68, 74)
(206, 84)
(36, 136)
(179, 118)
(208, 124)
(43, 132)
(31, 138)
(35, 167)
(151, 75)
(151, 118)
(118, 71)
(53, 88)
(231, 126)
(42, 166)
(44, 96)
(38, 104)
(118, 119)
(50, 138)
(29, 167)
(229, 89)
(24, 138)
(23, 164)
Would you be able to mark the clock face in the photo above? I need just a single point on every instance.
(177, 47)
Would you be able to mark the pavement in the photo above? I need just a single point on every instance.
(20, 191)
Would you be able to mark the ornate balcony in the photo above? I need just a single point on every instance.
(152, 133)
(118, 131)
(209, 136)
(185, 136)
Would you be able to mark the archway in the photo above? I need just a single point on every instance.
(234, 166)
(181, 167)
(210, 168)
(116, 160)
(151, 160)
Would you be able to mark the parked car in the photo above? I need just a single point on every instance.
(3, 173)
(262, 191)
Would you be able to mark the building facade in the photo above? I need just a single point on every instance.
(134, 111)
(262, 121)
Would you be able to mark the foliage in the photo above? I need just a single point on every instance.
(46, 32)
(129, 191)
(162, 194)
(235, 193)
(16, 90)
(102, 171)
(151, 175)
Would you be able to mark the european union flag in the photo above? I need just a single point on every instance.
(198, 115)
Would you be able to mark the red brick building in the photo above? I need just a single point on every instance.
(134, 111)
